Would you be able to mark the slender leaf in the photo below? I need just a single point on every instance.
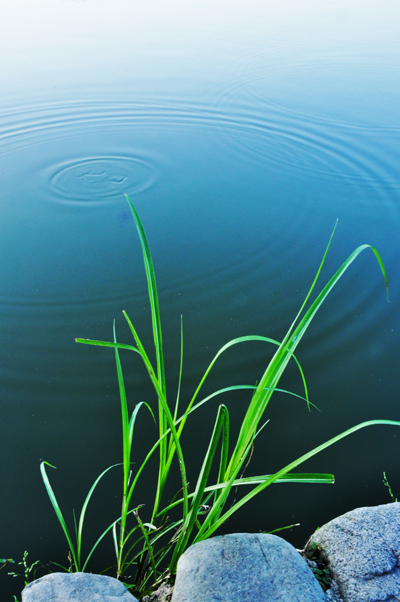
(58, 512)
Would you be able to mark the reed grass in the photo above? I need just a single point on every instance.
(146, 545)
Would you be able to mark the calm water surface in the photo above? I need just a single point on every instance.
(241, 131)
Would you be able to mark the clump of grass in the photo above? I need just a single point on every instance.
(29, 570)
(146, 545)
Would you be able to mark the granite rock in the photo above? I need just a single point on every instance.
(76, 587)
(362, 551)
(245, 567)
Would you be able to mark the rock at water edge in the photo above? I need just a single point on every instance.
(244, 567)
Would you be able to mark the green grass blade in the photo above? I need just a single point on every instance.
(307, 478)
(224, 447)
(312, 285)
(157, 334)
(240, 388)
(107, 344)
(283, 528)
(117, 549)
(126, 454)
(95, 546)
(281, 358)
(153, 296)
(300, 477)
(148, 546)
(142, 352)
(304, 323)
(61, 566)
(58, 512)
(126, 443)
(170, 451)
(180, 374)
(83, 511)
(134, 416)
(76, 530)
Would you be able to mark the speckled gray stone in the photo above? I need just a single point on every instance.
(362, 550)
(245, 567)
(76, 587)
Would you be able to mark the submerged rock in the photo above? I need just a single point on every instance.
(76, 587)
(245, 567)
(362, 551)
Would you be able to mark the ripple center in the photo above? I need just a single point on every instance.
(99, 179)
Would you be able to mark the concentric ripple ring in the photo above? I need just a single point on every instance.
(99, 179)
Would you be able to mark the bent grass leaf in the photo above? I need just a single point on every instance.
(309, 478)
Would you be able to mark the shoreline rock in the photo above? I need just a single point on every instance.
(245, 567)
(362, 552)
(76, 587)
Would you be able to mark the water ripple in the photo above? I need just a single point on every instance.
(98, 179)
(358, 89)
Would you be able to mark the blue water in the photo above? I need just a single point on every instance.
(241, 131)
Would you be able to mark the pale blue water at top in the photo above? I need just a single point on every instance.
(241, 131)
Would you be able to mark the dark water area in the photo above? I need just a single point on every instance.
(241, 132)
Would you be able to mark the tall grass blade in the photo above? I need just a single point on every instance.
(58, 512)
(126, 452)
(307, 478)
(282, 356)
(153, 296)
(180, 375)
(156, 324)
(83, 511)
